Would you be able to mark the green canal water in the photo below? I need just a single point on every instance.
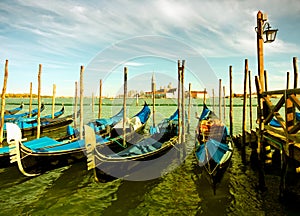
(185, 190)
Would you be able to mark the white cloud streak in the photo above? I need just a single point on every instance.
(73, 32)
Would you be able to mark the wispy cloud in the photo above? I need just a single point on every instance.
(66, 34)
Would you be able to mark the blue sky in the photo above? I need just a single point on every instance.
(145, 36)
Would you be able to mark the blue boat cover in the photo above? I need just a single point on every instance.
(144, 113)
(275, 123)
(205, 112)
(48, 145)
(4, 150)
(215, 150)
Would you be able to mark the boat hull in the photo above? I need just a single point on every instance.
(134, 167)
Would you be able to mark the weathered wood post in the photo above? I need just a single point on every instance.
(220, 98)
(75, 104)
(183, 104)
(258, 156)
(30, 99)
(38, 133)
(81, 102)
(137, 99)
(179, 101)
(93, 103)
(3, 101)
(250, 100)
(53, 100)
(287, 80)
(266, 80)
(124, 106)
(153, 86)
(260, 48)
(100, 99)
(204, 97)
(224, 106)
(189, 107)
(230, 102)
(243, 149)
(213, 100)
(295, 66)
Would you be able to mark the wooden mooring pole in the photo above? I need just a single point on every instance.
(250, 101)
(93, 103)
(189, 107)
(257, 158)
(81, 103)
(230, 102)
(204, 96)
(213, 100)
(179, 101)
(100, 99)
(75, 104)
(124, 106)
(38, 133)
(243, 147)
(182, 104)
(266, 80)
(30, 99)
(3, 101)
(220, 98)
(153, 99)
(287, 80)
(295, 66)
(224, 106)
(53, 100)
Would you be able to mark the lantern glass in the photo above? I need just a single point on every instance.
(270, 35)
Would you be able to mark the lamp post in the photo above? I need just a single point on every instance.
(264, 35)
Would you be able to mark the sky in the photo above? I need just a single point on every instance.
(147, 37)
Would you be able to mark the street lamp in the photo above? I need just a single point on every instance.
(269, 34)
(264, 35)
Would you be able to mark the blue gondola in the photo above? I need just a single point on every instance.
(213, 146)
(37, 156)
(110, 165)
(14, 110)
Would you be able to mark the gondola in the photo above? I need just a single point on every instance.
(134, 128)
(213, 145)
(37, 156)
(14, 110)
(109, 165)
(71, 135)
(14, 117)
(28, 126)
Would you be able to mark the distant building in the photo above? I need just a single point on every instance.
(170, 92)
(199, 94)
